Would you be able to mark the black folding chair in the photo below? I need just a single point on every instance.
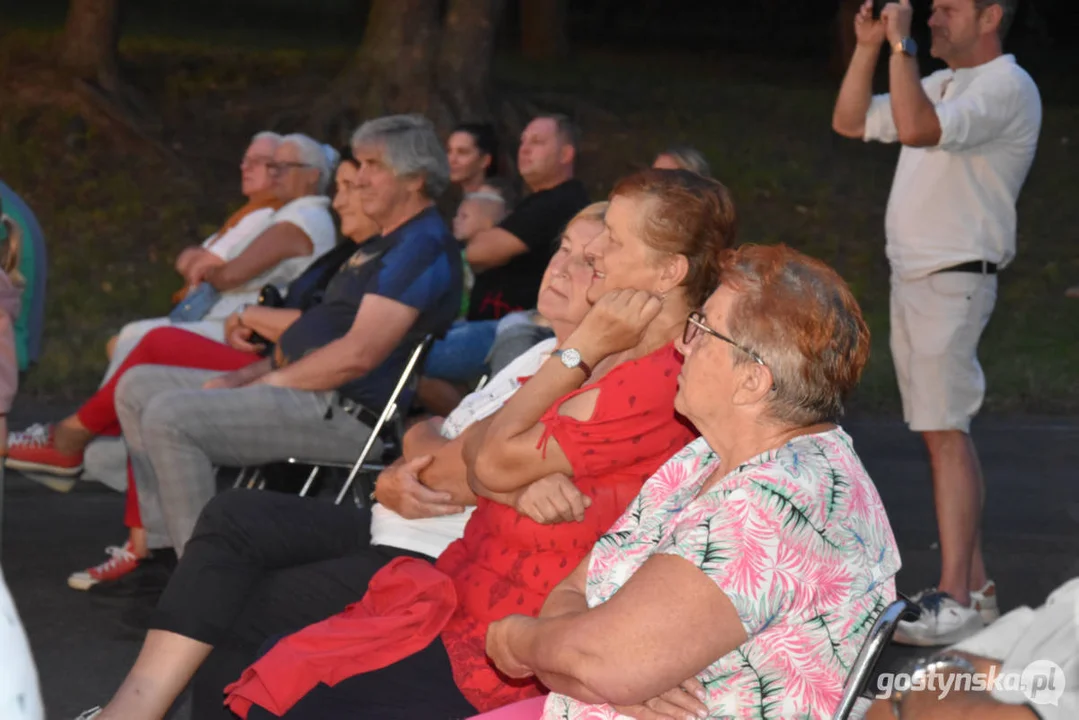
(389, 427)
(879, 637)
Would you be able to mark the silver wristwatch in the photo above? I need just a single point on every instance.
(571, 358)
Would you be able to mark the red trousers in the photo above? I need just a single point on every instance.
(161, 346)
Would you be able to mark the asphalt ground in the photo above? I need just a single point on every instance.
(1031, 541)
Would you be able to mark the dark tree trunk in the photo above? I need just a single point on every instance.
(409, 63)
(91, 36)
(465, 58)
(396, 55)
(392, 72)
(543, 29)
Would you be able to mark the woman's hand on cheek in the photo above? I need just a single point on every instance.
(617, 322)
(501, 636)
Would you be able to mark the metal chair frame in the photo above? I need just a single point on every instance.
(409, 377)
(879, 636)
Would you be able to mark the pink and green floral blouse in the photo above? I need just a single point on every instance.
(798, 540)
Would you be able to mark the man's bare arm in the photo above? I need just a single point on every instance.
(493, 248)
(856, 93)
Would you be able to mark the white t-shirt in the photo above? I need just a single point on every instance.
(955, 202)
(236, 239)
(20, 696)
(431, 536)
(1050, 634)
(311, 214)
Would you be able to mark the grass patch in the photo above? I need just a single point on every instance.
(115, 217)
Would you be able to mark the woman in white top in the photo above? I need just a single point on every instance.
(267, 246)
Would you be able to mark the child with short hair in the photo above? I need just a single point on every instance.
(479, 211)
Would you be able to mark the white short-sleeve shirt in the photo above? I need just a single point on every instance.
(431, 536)
(1048, 634)
(955, 202)
(232, 242)
(311, 214)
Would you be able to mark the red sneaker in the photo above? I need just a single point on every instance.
(34, 450)
(121, 561)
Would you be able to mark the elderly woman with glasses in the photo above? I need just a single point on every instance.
(743, 580)
(270, 241)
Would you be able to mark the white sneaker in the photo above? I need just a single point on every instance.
(943, 621)
(985, 602)
(89, 714)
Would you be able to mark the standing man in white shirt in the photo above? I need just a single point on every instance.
(969, 133)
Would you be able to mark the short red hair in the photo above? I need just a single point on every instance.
(800, 316)
(689, 215)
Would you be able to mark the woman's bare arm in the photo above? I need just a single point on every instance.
(568, 596)
(277, 243)
(600, 652)
(447, 471)
(508, 456)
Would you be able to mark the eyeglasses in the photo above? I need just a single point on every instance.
(279, 167)
(695, 324)
(255, 161)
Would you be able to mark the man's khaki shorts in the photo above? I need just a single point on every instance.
(937, 322)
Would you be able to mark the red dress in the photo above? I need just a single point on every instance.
(507, 564)
(504, 564)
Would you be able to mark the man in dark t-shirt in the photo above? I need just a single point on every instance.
(509, 259)
(535, 223)
(345, 350)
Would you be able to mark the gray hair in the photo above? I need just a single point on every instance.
(410, 147)
(1008, 9)
(486, 195)
(491, 202)
(688, 158)
(315, 155)
(273, 137)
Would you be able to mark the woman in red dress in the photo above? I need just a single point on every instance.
(582, 436)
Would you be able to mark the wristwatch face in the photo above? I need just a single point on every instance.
(571, 358)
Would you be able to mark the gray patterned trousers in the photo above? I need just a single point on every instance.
(176, 433)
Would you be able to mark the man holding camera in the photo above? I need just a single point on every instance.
(969, 133)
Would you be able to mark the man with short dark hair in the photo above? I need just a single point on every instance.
(969, 134)
(509, 259)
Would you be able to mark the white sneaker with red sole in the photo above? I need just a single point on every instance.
(121, 561)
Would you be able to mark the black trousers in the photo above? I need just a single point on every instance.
(261, 565)
(420, 687)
